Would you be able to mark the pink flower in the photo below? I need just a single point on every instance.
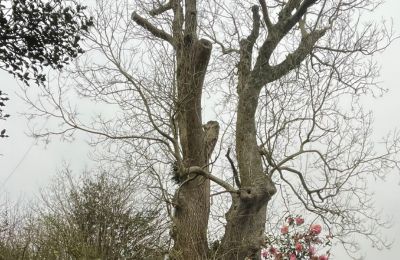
(264, 253)
(315, 229)
(284, 230)
(323, 257)
(293, 257)
(311, 250)
(298, 247)
(290, 220)
(299, 221)
(273, 250)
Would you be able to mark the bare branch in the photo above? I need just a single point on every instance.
(251, 39)
(145, 102)
(234, 170)
(190, 18)
(177, 22)
(265, 74)
(246, 45)
(161, 9)
(288, 23)
(276, 33)
(152, 29)
(294, 59)
(303, 182)
(264, 10)
(200, 171)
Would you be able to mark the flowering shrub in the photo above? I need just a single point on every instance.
(297, 242)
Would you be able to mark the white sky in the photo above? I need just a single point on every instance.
(27, 166)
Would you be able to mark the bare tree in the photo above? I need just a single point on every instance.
(13, 242)
(289, 76)
(94, 216)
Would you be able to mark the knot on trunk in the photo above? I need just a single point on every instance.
(247, 194)
(256, 196)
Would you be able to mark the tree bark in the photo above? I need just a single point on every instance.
(246, 218)
(244, 231)
(192, 198)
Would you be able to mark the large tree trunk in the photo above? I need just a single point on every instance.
(192, 197)
(246, 217)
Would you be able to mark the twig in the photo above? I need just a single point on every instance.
(234, 170)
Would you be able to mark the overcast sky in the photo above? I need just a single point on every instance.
(26, 166)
